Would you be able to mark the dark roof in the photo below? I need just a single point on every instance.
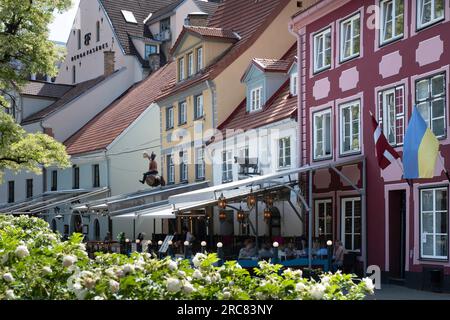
(73, 93)
(45, 89)
(246, 18)
(104, 128)
(141, 10)
(280, 106)
(207, 6)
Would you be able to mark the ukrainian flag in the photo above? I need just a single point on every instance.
(420, 149)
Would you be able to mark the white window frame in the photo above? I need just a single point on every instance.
(170, 120)
(321, 37)
(199, 59)
(294, 84)
(182, 109)
(434, 234)
(352, 233)
(170, 169)
(200, 163)
(181, 69)
(393, 21)
(282, 153)
(190, 64)
(434, 19)
(184, 173)
(255, 99)
(199, 106)
(387, 110)
(351, 133)
(430, 99)
(324, 232)
(227, 166)
(343, 58)
(316, 116)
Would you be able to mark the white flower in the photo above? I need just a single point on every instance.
(114, 286)
(79, 291)
(226, 295)
(369, 284)
(300, 286)
(317, 291)
(89, 283)
(69, 260)
(188, 288)
(197, 274)
(10, 295)
(98, 298)
(326, 280)
(47, 270)
(198, 258)
(208, 279)
(172, 265)
(128, 268)
(173, 285)
(8, 277)
(5, 258)
(22, 252)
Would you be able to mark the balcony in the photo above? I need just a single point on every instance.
(247, 167)
(165, 35)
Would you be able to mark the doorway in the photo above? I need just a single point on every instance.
(397, 229)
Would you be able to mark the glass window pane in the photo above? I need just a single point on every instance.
(422, 90)
(427, 222)
(427, 200)
(441, 222)
(438, 108)
(438, 126)
(424, 109)
(348, 242)
(357, 242)
(441, 200)
(442, 246)
(427, 246)
(437, 85)
(438, 9)
(426, 11)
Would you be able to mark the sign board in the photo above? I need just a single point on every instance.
(165, 244)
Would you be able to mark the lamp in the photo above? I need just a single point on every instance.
(269, 200)
(222, 215)
(222, 203)
(240, 215)
(251, 200)
(160, 243)
(329, 243)
(267, 214)
(186, 243)
(203, 243)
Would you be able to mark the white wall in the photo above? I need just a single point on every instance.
(91, 65)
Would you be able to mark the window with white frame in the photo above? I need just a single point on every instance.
(284, 152)
(351, 224)
(199, 163)
(182, 113)
(322, 50)
(169, 118)
(429, 12)
(190, 64)
(392, 20)
(170, 169)
(391, 114)
(227, 166)
(294, 84)
(434, 223)
(324, 219)
(184, 166)
(431, 102)
(198, 113)
(255, 99)
(181, 67)
(350, 37)
(199, 59)
(350, 120)
(322, 134)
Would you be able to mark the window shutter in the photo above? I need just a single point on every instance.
(399, 114)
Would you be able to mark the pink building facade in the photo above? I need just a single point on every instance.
(380, 57)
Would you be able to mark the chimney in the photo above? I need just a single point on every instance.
(154, 61)
(197, 20)
(109, 57)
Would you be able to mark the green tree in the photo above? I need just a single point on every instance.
(24, 50)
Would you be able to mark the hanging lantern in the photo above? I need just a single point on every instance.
(251, 200)
(222, 215)
(240, 215)
(222, 203)
(269, 200)
(267, 214)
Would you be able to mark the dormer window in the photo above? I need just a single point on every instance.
(255, 99)
(129, 16)
(150, 49)
(294, 84)
(190, 64)
(181, 74)
(199, 59)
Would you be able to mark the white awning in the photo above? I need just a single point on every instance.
(161, 212)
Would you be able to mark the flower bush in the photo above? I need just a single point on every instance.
(36, 264)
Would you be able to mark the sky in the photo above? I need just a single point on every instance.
(60, 28)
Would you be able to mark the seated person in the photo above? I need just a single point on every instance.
(266, 252)
(248, 251)
(152, 168)
(338, 256)
(290, 251)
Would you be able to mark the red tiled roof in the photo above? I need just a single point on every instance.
(273, 65)
(281, 105)
(104, 128)
(45, 89)
(75, 91)
(246, 18)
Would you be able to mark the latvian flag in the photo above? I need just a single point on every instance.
(386, 154)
